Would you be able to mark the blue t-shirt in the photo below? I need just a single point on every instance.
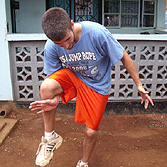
(90, 58)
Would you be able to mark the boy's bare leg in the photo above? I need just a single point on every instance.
(46, 93)
(49, 120)
(50, 90)
(88, 143)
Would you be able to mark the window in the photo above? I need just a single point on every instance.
(148, 13)
(129, 13)
(78, 10)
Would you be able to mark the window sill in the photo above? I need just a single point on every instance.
(137, 37)
(42, 37)
(26, 37)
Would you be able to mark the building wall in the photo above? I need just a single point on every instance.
(148, 52)
(6, 91)
(5, 75)
(28, 16)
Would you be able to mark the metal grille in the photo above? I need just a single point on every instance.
(78, 10)
(150, 58)
(86, 10)
(65, 4)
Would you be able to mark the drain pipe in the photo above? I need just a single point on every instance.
(2, 114)
(5, 110)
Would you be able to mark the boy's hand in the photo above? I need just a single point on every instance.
(145, 96)
(44, 105)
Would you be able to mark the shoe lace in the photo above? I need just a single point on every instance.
(42, 148)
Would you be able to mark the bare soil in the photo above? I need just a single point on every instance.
(123, 140)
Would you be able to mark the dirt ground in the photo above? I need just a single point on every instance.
(123, 140)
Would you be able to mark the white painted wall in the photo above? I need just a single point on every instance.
(8, 16)
(166, 20)
(5, 75)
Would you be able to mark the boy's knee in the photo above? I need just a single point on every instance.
(90, 132)
(45, 88)
(50, 88)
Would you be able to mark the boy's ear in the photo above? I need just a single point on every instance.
(72, 24)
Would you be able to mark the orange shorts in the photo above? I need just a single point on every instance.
(90, 105)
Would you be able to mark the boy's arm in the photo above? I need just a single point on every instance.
(130, 67)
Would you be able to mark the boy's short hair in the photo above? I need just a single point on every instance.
(56, 23)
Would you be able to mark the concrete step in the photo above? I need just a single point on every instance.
(6, 126)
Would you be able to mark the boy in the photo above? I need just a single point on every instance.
(87, 50)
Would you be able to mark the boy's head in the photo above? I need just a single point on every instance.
(56, 23)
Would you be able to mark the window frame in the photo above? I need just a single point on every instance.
(154, 14)
(140, 14)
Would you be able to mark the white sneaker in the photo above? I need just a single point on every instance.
(79, 164)
(46, 148)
